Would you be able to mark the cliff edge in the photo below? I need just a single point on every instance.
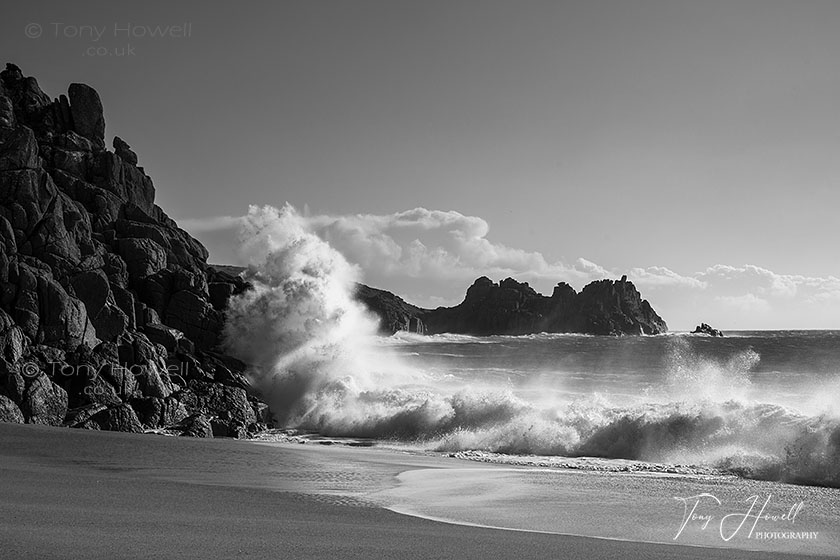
(110, 317)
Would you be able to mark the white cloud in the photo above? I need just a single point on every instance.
(769, 284)
(659, 276)
(441, 244)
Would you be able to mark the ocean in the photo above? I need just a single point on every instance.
(757, 404)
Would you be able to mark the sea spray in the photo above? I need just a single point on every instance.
(298, 327)
(312, 348)
(314, 357)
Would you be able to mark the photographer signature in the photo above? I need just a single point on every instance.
(732, 524)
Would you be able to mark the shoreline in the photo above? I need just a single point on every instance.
(624, 507)
(73, 493)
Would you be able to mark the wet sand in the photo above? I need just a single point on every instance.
(77, 494)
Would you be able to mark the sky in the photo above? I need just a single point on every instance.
(690, 145)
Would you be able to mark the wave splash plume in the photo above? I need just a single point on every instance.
(315, 358)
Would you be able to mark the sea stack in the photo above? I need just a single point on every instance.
(703, 328)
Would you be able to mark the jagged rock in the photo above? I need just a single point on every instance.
(509, 307)
(222, 401)
(97, 391)
(226, 274)
(29, 102)
(9, 411)
(145, 315)
(612, 307)
(92, 376)
(196, 425)
(393, 312)
(124, 300)
(12, 341)
(263, 413)
(93, 288)
(224, 428)
(87, 259)
(108, 171)
(195, 317)
(115, 269)
(88, 116)
(178, 252)
(155, 292)
(152, 383)
(123, 377)
(45, 312)
(703, 328)
(220, 294)
(169, 338)
(123, 150)
(18, 148)
(120, 418)
(63, 319)
(146, 361)
(44, 402)
(143, 257)
(47, 224)
(12, 382)
(224, 369)
(605, 307)
(72, 142)
(156, 412)
(7, 113)
(81, 417)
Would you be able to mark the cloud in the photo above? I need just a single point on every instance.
(440, 244)
(659, 276)
(768, 284)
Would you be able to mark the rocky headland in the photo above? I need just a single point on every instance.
(604, 307)
(110, 317)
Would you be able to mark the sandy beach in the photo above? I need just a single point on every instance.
(73, 494)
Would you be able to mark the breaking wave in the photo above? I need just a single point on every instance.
(315, 359)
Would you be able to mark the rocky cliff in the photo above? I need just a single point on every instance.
(110, 317)
(393, 312)
(605, 307)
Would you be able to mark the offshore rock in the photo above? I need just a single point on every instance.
(703, 328)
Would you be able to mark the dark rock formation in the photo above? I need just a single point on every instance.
(87, 114)
(108, 310)
(120, 418)
(196, 425)
(703, 328)
(393, 313)
(604, 307)
(9, 411)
